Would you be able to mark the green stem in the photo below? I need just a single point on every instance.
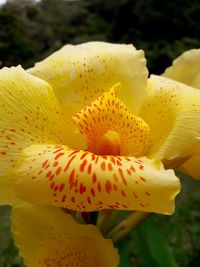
(124, 254)
(106, 219)
(127, 225)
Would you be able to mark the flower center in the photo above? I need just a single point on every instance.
(111, 129)
(107, 144)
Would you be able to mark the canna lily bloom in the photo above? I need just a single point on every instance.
(80, 131)
(83, 131)
(186, 69)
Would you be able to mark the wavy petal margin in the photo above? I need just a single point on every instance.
(79, 180)
(81, 73)
(172, 111)
(186, 68)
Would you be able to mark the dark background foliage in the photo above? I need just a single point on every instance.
(30, 31)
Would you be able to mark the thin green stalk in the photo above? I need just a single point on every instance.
(106, 219)
(127, 225)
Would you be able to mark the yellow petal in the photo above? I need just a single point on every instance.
(172, 111)
(79, 180)
(7, 192)
(107, 120)
(186, 68)
(46, 236)
(192, 167)
(81, 73)
(30, 114)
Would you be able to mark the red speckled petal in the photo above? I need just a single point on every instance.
(108, 113)
(79, 180)
(81, 73)
(47, 237)
(172, 111)
(30, 113)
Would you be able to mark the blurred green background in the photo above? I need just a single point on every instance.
(30, 31)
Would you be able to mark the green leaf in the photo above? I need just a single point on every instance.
(124, 254)
(153, 246)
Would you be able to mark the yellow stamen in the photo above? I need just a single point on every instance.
(107, 144)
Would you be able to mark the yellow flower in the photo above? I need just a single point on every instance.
(83, 131)
(113, 161)
(186, 69)
(46, 236)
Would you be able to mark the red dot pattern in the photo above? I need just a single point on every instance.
(81, 73)
(80, 180)
(30, 114)
(173, 112)
(108, 113)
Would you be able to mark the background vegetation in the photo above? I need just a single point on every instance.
(30, 31)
